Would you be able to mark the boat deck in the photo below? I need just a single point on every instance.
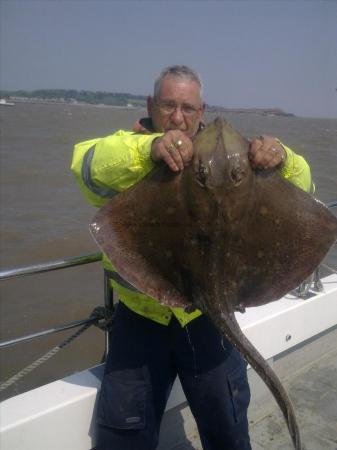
(314, 393)
(313, 390)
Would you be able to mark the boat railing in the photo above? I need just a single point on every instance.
(49, 266)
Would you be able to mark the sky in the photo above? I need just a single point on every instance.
(249, 53)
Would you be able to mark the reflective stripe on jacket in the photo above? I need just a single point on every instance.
(106, 166)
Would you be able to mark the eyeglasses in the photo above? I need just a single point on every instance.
(170, 108)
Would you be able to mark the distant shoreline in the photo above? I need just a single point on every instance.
(114, 100)
(209, 108)
(37, 101)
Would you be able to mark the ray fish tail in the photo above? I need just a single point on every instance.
(230, 328)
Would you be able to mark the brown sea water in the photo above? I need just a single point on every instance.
(45, 217)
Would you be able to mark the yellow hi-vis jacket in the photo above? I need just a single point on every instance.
(105, 166)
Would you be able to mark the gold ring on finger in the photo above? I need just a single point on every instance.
(170, 148)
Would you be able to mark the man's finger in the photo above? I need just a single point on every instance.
(255, 145)
(170, 162)
(186, 151)
(175, 148)
(175, 155)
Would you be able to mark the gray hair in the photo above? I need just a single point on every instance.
(183, 72)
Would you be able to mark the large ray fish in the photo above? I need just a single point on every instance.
(218, 236)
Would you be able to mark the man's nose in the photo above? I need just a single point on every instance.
(177, 116)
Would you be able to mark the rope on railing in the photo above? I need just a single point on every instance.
(42, 360)
(99, 318)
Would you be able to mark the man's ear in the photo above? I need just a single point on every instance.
(149, 102)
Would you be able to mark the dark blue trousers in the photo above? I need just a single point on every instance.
(143, 362)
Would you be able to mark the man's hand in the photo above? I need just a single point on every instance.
(175, 148)
(266, 153)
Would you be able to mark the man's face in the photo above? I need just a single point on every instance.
(177, 107)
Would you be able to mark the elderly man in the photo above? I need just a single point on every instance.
(151, 344)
